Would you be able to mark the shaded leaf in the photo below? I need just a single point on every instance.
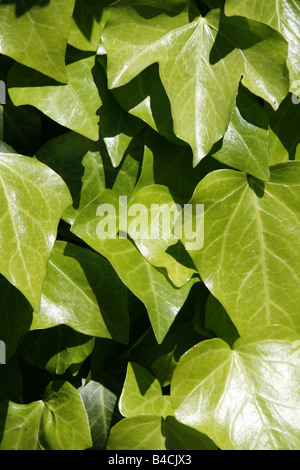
(73, 105)
(282, 15)
(87, 24)
(284, 138)
(155, 433)
(245, 145)
(82, 291)
(146, 282)
(99, 403)
(56, 349)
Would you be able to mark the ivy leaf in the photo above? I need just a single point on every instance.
(238, 396)
(282, 15)
(43, 31)
(156, 433)
(252, 233)
(218, 321)
(99, 403)
(284, 127)
(56, 349)
(22, 128)
(47, 424)
(154, 239)
(117, 127)
(79, 161)
(75, 293)
(73, 105)
(145, 281)
(87, 24)
(201, 64)
(245, 144)
(142, 394)
(32, 199)
(146, 98)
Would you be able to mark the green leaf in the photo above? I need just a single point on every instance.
(43, 31)
(56, 349)
(251, 243)
(73, 105)
(75, 293)
(218, 321)
(156, 433)
(79, 161)
(32, 198)
(282, 15)
(145, 97)
(201, 64)
(142, 394)
(58, 422)
(162, 300)
(284, 136)
(15, 316)
(117, 127)
(245, 398)
(22, 128)
(245, 143)
(163, 368)
(154, 239)
(87, 24)
(99, 403)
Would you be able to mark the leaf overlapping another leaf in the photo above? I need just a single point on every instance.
(201, 63)
(33, 199)
(251, 238)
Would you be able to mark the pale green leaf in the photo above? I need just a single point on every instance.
(156, 433)
(142, 394)
(201, 64)
(245, 398)
(162, 300)
(218, 321)
(32, 199)
(245, 145)
(282, 15)
(73, 105)
(81, 290)
(58, 422)
(251, 245)
(79, 161)
(155, 237)
(87, 24)
(36, 34)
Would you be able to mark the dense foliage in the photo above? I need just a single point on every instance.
(122, 343)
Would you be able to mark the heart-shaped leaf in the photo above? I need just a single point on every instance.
(32, 199)
(251, 241)
(201, 63)
(245, 398)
